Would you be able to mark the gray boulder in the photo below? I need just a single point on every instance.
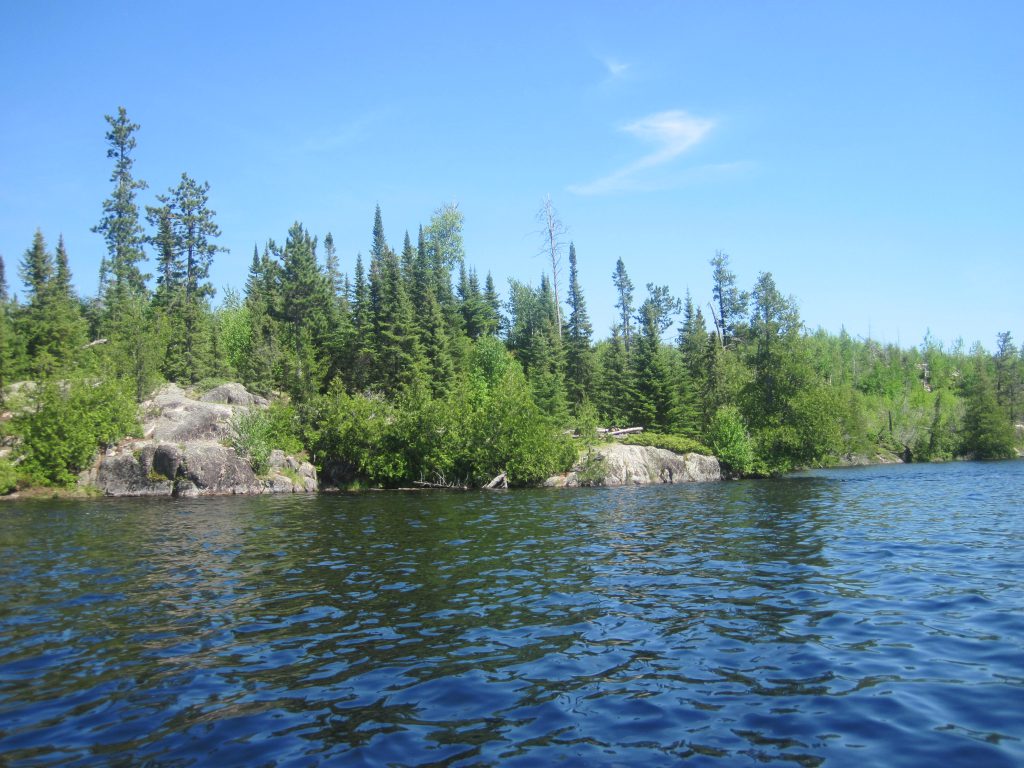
(233, 394)
(183, 452)
(615, 464)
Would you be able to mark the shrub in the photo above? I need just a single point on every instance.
(67, 423)
(730, 441)
(8, 477)
(253, 439)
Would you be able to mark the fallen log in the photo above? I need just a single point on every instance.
(501, 481)
(626, 431)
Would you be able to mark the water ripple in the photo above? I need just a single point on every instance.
(871, 616)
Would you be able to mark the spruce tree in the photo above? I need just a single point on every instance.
(42, 337)
(731, 302)
(185, 231)
(305, 303)
(430, 324)
(624, 303)
(579, 357)
(691, 417)
(6, 334)
(120, 225)
(398, 355)
(987, 432)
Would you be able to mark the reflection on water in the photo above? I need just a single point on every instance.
(869, 616)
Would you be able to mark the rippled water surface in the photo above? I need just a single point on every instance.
(855, 617)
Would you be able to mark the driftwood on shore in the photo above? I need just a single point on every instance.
(501, 481)
(621, 432)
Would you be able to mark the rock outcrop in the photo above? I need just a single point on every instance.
(615, 464)
(183, 451)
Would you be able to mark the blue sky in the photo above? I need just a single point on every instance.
(867, 154)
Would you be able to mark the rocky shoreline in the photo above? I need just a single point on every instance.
(184, 451)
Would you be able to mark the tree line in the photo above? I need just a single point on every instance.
(410, 365)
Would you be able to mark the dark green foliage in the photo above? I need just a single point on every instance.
(731, 302)
(987, 433)
(533, 338)
(398, 357)
(185, 231)
(120, 225)
(50, 323)
(624, 303)
(579, 354)
(259, 431)
(8, 477)
(730, 441)
(486, 425)
(67, 423)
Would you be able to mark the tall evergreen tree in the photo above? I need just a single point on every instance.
(579, 356)
(430, 323)
(731, 302)
(692, 417)
(6, 334)
(185, 231)
(304, 312)
(398, 355)
(624, 303)
(120, 225)
(987, 432)
(654, 405)
(1008, 383)
(259, 361)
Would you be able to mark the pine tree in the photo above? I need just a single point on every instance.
(42, 337)
(624, 303)
(987, 432)
(120, 225)
(6, 334)
(476, 314)
(493, 302)
(305, 302)
(691, 417)
(654, 403)
(579, 356)
(362, 353)
(259, 360)
(399, 358)
(1008, 383)
(66, 311)
(185, 230)
(732, 303)
(430, 324)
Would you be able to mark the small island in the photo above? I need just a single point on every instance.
(408, 369)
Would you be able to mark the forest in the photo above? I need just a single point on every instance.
(409, 366)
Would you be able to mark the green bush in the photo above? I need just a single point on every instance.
(674, 443)
(487, 424)
(253, 439)
(730, 441)
(67, 423)
(8, 477)
(260, 431)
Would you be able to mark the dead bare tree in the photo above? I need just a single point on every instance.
(554, 232)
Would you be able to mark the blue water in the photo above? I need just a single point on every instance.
(862, 617)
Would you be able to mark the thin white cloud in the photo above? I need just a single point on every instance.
(615, 67)
(673, 133)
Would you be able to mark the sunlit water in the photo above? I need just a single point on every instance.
(856, 617)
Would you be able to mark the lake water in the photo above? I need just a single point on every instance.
(870, 616)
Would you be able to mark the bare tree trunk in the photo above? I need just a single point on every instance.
(553, 230)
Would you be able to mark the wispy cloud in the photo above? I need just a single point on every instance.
(615, 67)
(673, 133)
